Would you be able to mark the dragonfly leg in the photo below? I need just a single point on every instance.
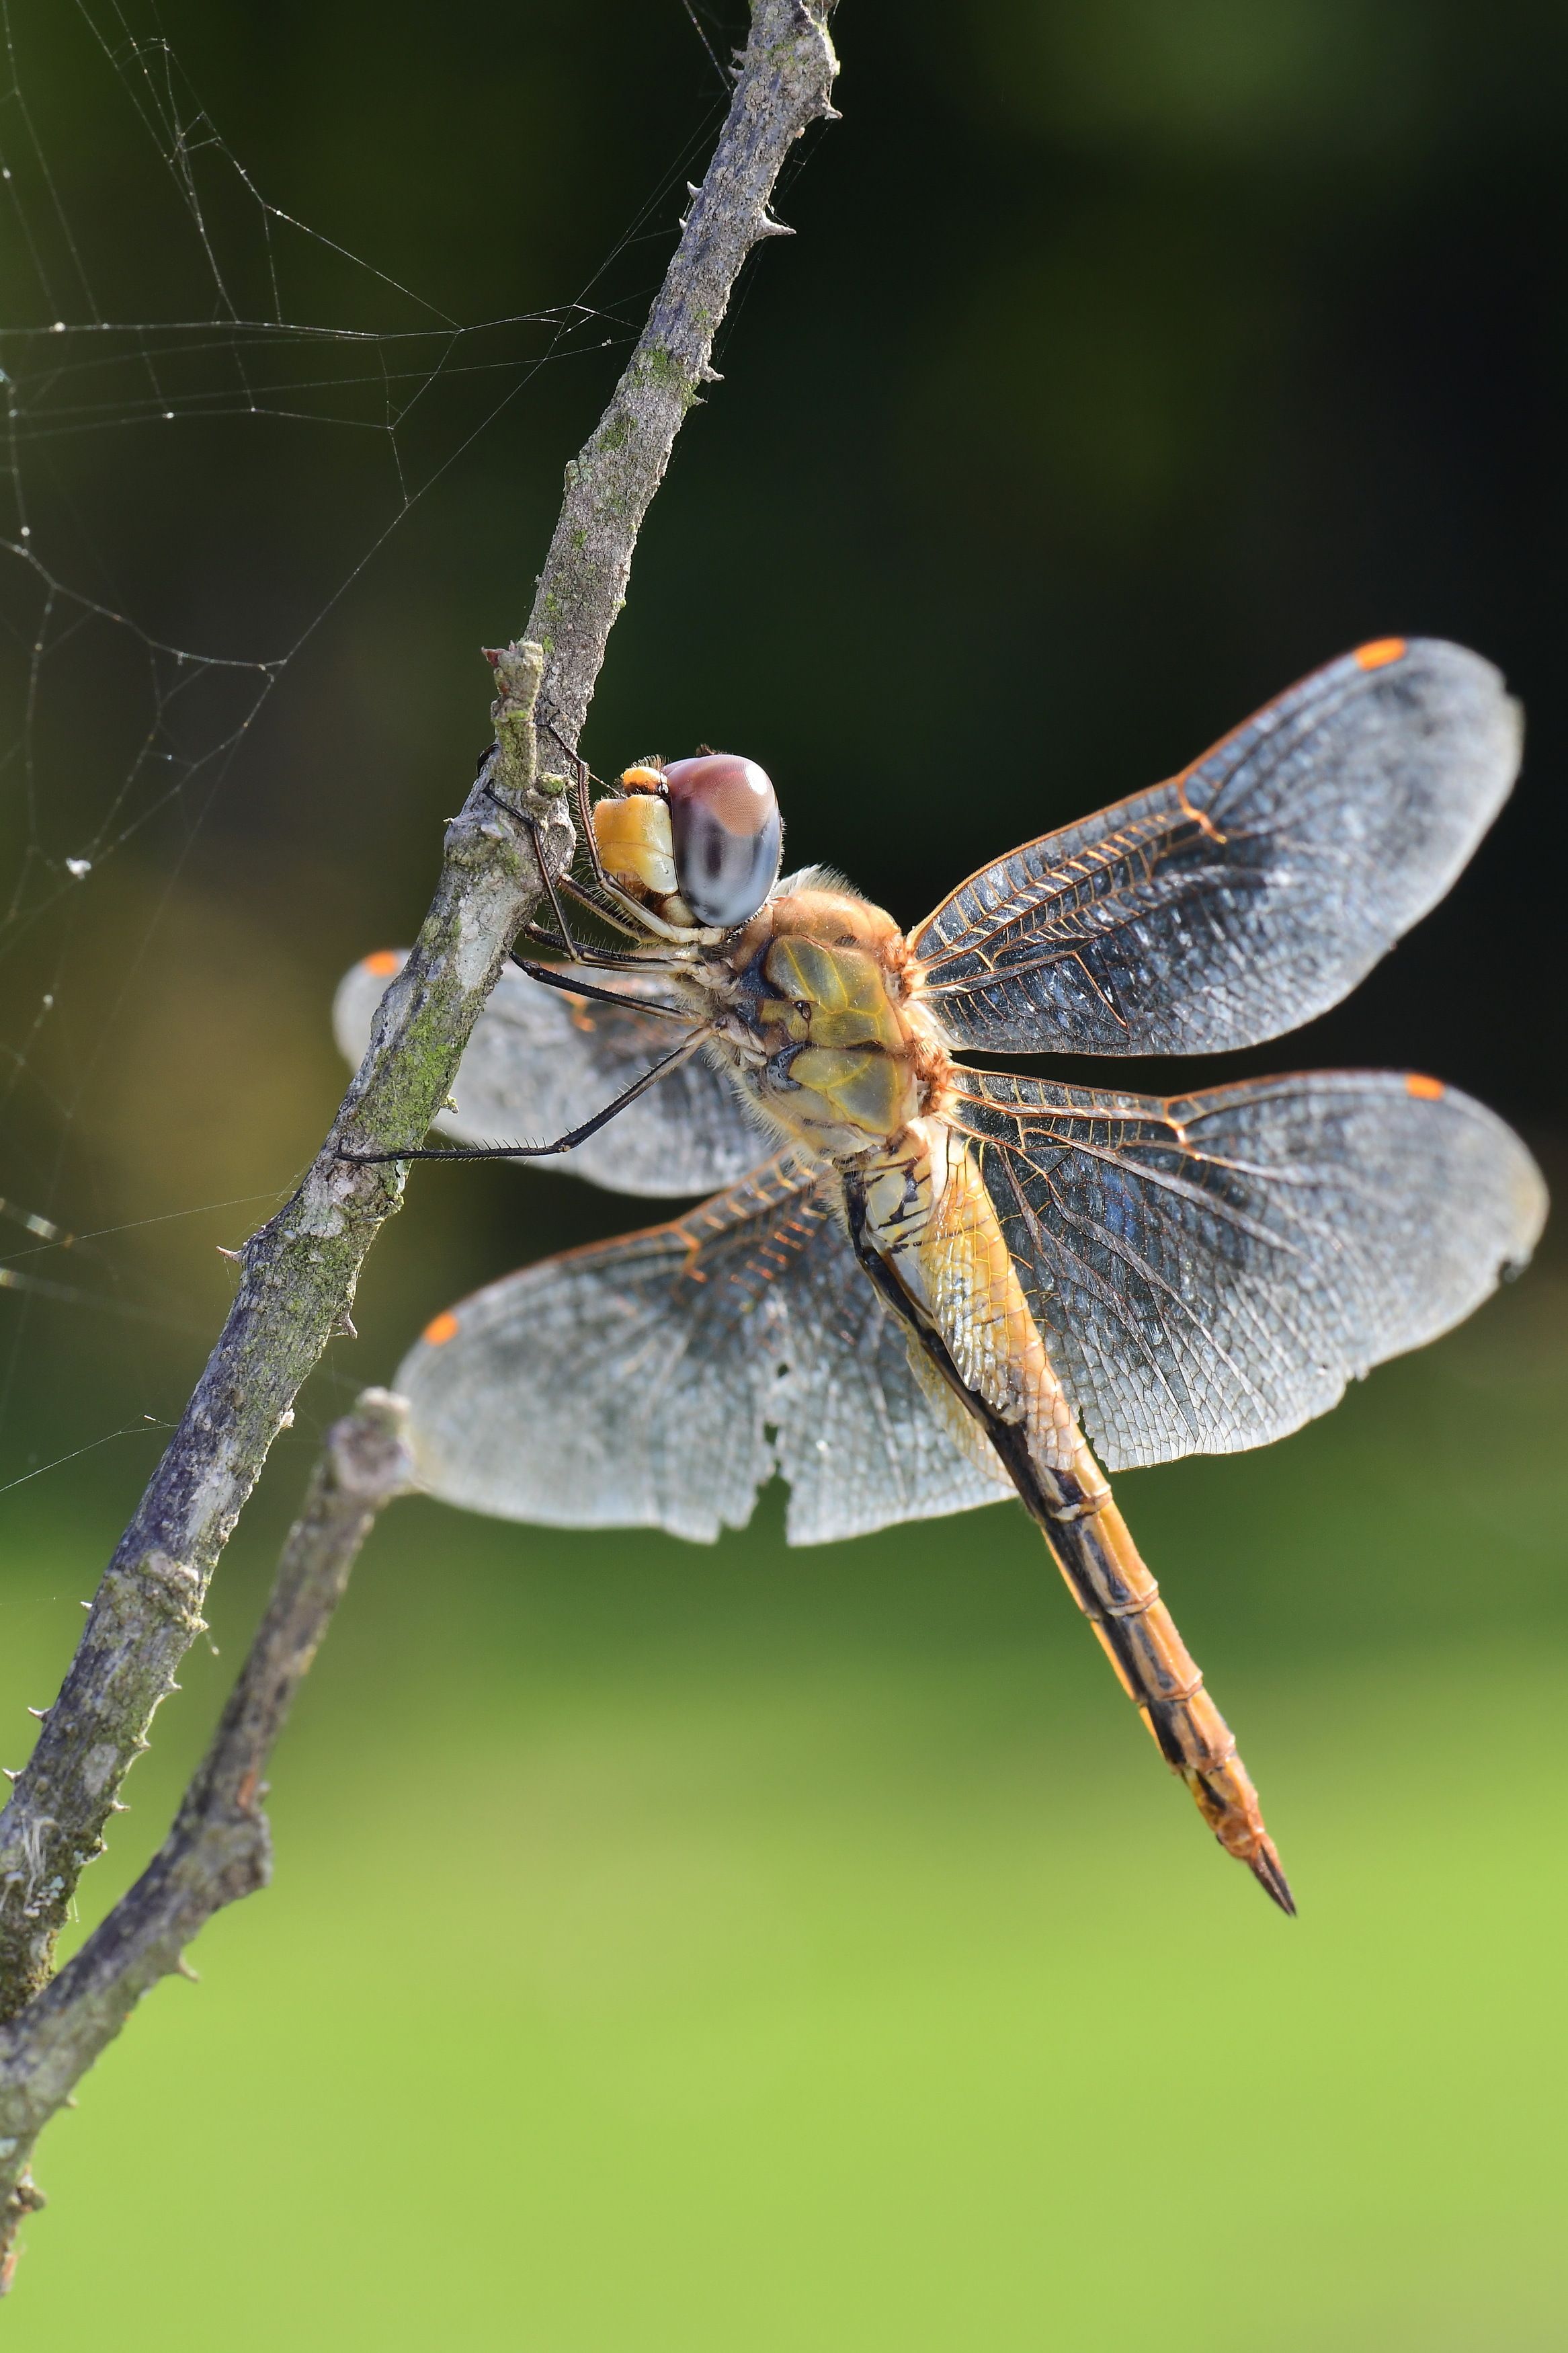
(574, 1136)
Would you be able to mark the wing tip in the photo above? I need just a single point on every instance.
(1466, 673)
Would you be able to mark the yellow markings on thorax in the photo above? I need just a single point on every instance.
(865, 1089)
(841, 991)
(855, 1069)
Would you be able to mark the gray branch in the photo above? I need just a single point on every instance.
(300, 1272)
(219, 1848)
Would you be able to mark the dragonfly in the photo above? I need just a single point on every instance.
(919, 1284)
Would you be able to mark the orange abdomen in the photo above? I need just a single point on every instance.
(975, 1298)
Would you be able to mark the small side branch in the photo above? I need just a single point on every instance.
(219, 1848)
(300, 1272)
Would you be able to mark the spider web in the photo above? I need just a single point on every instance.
(194, 332)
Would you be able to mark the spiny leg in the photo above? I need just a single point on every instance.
(567, 1143)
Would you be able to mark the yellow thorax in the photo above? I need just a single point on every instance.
(854, 1067)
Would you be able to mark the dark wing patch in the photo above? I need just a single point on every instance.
(661, 1380)
(1207, 1272)
(540, 1062)
(1247, 894)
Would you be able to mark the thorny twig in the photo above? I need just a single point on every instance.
(219, 1848)
(301, 1271)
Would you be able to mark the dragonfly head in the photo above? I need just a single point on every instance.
(697, 841)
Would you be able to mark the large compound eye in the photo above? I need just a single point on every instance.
(728, 836)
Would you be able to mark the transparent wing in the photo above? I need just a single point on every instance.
(1247, 894)
(540, 1062)
(659, 1380)
(1209, 1272)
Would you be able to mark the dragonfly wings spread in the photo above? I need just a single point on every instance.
(1251, 892)
(541, 1061)
(659, 1380)
(1209, 1272)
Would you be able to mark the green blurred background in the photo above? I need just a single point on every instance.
(685, 1949)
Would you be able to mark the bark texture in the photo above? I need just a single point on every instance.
(219, 1848)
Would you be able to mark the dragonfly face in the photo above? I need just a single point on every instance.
(921, 1285)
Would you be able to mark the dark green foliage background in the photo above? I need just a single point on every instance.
(675, 1949)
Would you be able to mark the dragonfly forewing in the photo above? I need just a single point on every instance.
(1249, 894)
